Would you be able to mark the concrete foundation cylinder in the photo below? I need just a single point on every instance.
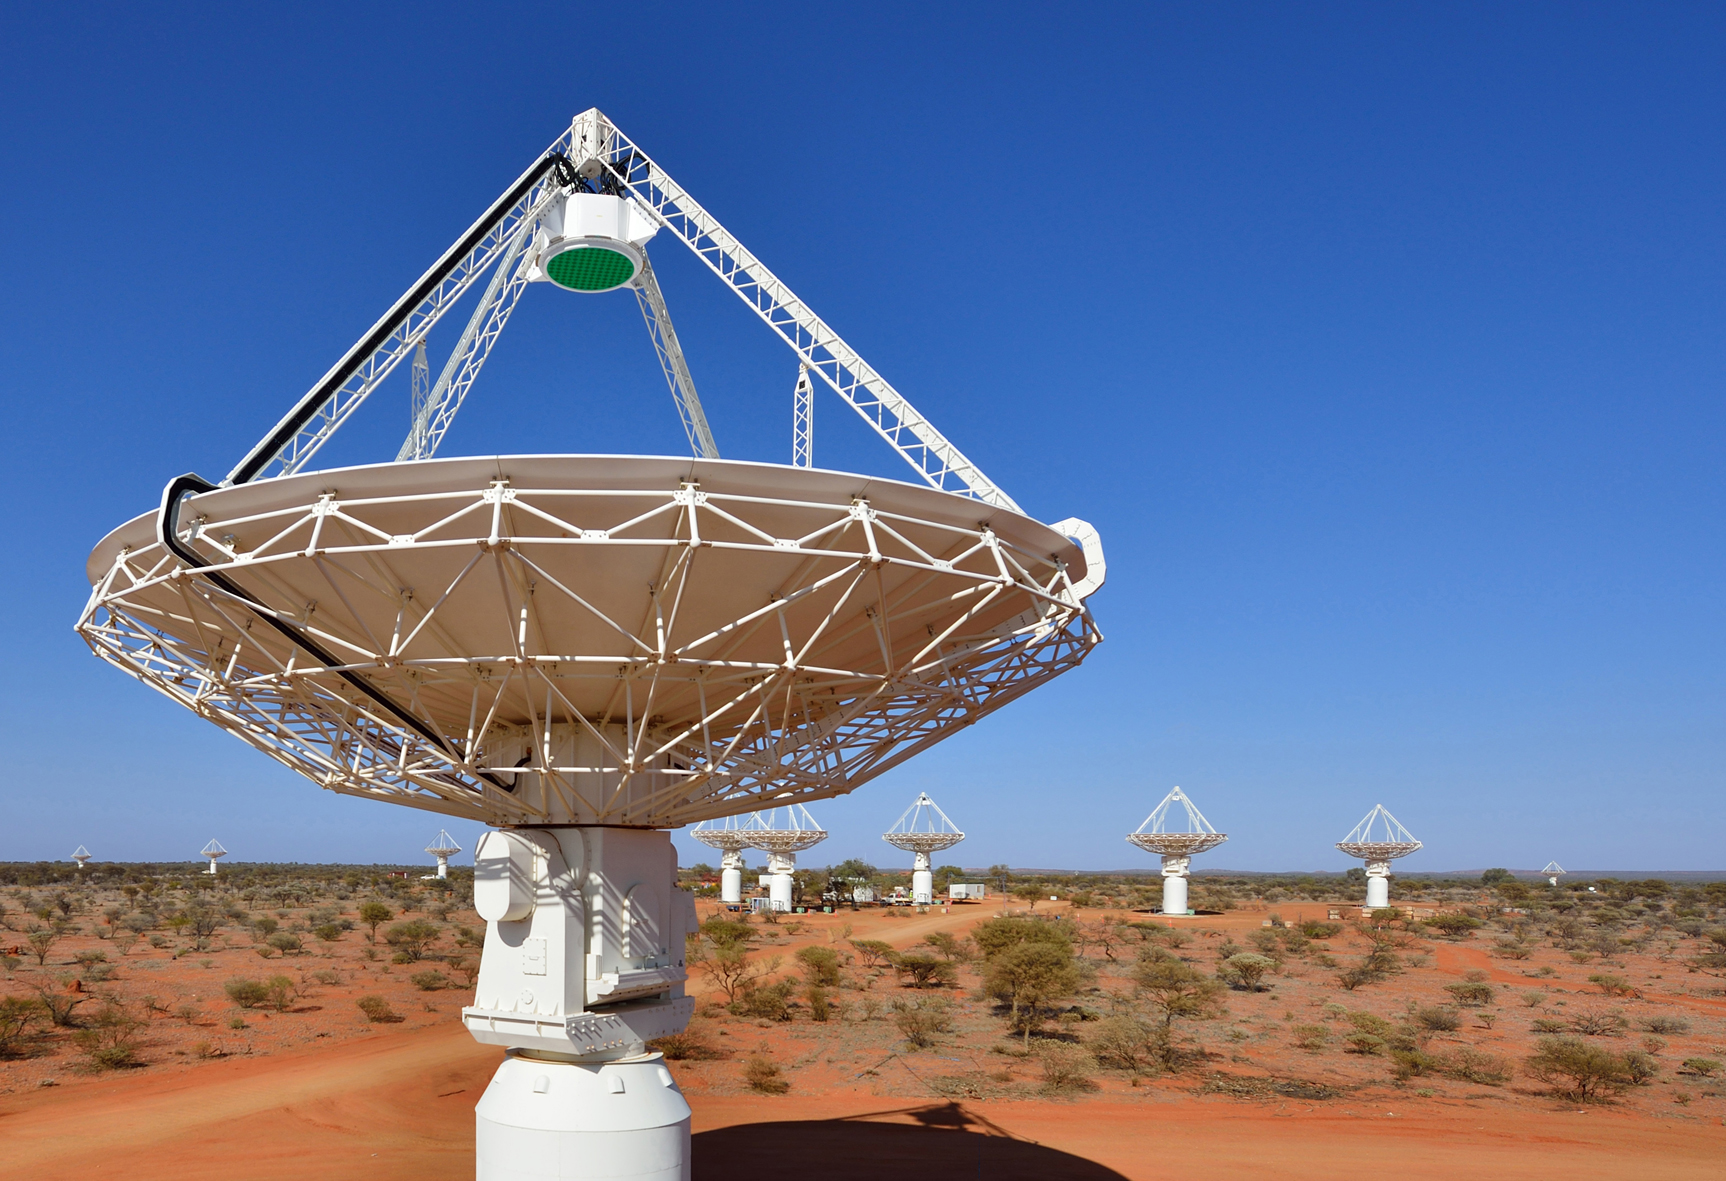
(1174, 895)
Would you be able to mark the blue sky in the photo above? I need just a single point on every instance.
(1382, 343)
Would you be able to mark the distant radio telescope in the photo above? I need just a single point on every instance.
(728, 835)
(922, 830)
(584, 651)
(213, 850)
(782, 833)
(81, 855)
(1553, 872)
(1178, 837)
(1378, 840)
(443, 847)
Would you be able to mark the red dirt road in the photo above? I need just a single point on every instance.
(400, 1105)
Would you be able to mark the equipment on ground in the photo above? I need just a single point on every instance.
(922, 830)
(581, 650)
(1553, 872)
(81, 855)
(213, 850)
(1378, 840)
(1179, 837)
(726, 833)
(782, 833)
(443, 847)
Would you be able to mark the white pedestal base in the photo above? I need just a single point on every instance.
(1377, 892)
(731, 886)
(1174, 895)
(541, 1120)
(922, 887)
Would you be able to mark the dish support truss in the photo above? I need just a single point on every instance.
(593, 149)
(923, 830)
(1378, 840)
(587, 641)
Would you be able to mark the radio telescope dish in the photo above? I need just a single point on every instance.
(580, 650)
(81, 855)
(1378, 840)
(923, 829)
(728, 835)
(1178, 837)
(443, 847)
(1553, 872)
(213, 850)
(782, 833)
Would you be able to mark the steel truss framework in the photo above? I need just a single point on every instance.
(1155, 835)
(602, 640)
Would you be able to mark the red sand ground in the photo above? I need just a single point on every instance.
(396, 1101)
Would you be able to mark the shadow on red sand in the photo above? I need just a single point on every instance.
(943, 1139)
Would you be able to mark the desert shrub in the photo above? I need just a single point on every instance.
(110, 1038)
(948, 947)
(1666, 1025)
(206, 1050)
(265, 926)
(1066, 1067)
(328, 932)
(1513, 949)
(1123, 1041)
(1470, 993)
(769, 1001)
(1533, 999)
(1363, 1043)
(1411, 1062)
(820, 965)
(1454, 926)
(685, 1047)
(280, 991)
(1437, 1018)
(919, 1021)
(376, 1009)
(1576, 1069)
(1706, 1067)
(284, 942)
(411, 939)
(374, 915)
(763, 1075)
(1598, 1023)
(875, 953)
(1027, 975)
(998, 935)
(1476, 1066)
(1550, 1025)
(925, 971)
(1313, 929)
(1245, 970)
(248, 994)
(1612, 985)
(820, 1008)
(17, 1014)
(430, 980)
(1640, 1066)
(1310, 1037)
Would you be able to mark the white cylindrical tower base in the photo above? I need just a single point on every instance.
(1174, 895)
(731, 876)
(1377, 892)
(542, 1120)
(212, 870)
(922, 887)
(443, 868)
(781, 866)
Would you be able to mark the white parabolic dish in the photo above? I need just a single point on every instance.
(594, 639)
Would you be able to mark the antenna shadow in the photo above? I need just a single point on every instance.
(939, 1138)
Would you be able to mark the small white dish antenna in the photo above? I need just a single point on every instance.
(782, 833)
(1553, 872)
(923, 829)
(443, 847)
(213, 850)
(1177, 835)
(1378, 839)
(81, 855)
(730, 835)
